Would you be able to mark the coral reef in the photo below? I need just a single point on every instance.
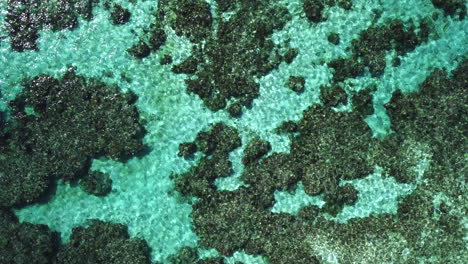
(216, 145)
(96, 183)
(73, 120)
(120, 15)
(103, 242)
(226, 63)
(25, 242)
(451, 7)
(334, 146)
(25, 18)
(151, 40)
(296, 83)
(370, 49)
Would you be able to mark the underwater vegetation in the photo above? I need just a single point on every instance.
(55, 127)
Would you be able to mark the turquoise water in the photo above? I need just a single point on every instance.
(142, 196)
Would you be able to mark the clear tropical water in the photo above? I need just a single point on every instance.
(142, 196)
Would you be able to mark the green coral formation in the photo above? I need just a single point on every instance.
(74, 121)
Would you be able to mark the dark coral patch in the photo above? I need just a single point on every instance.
(235, 109)
(216, 145)
(96, 183)
(103, 242)
(120, 15)
(451, 7)
(371, 48)
(190, 255)
(25, 242)
(25, 18)
(187, 149)
(74, 121)
(189, 18)
(345, 195)
(334, 38)
(436, 116)
(362, 101)
(313, 10)
(234, 220)
(290, 55)
(333, 96)
(255, 150)
(151, 40)
(226, 64)
(296, 83)
(346, 68)
(139, 50)
(334, 146)
(185, 255)
(287, 127)
(219, 139)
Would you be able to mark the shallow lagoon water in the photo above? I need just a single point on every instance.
(142, 195)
